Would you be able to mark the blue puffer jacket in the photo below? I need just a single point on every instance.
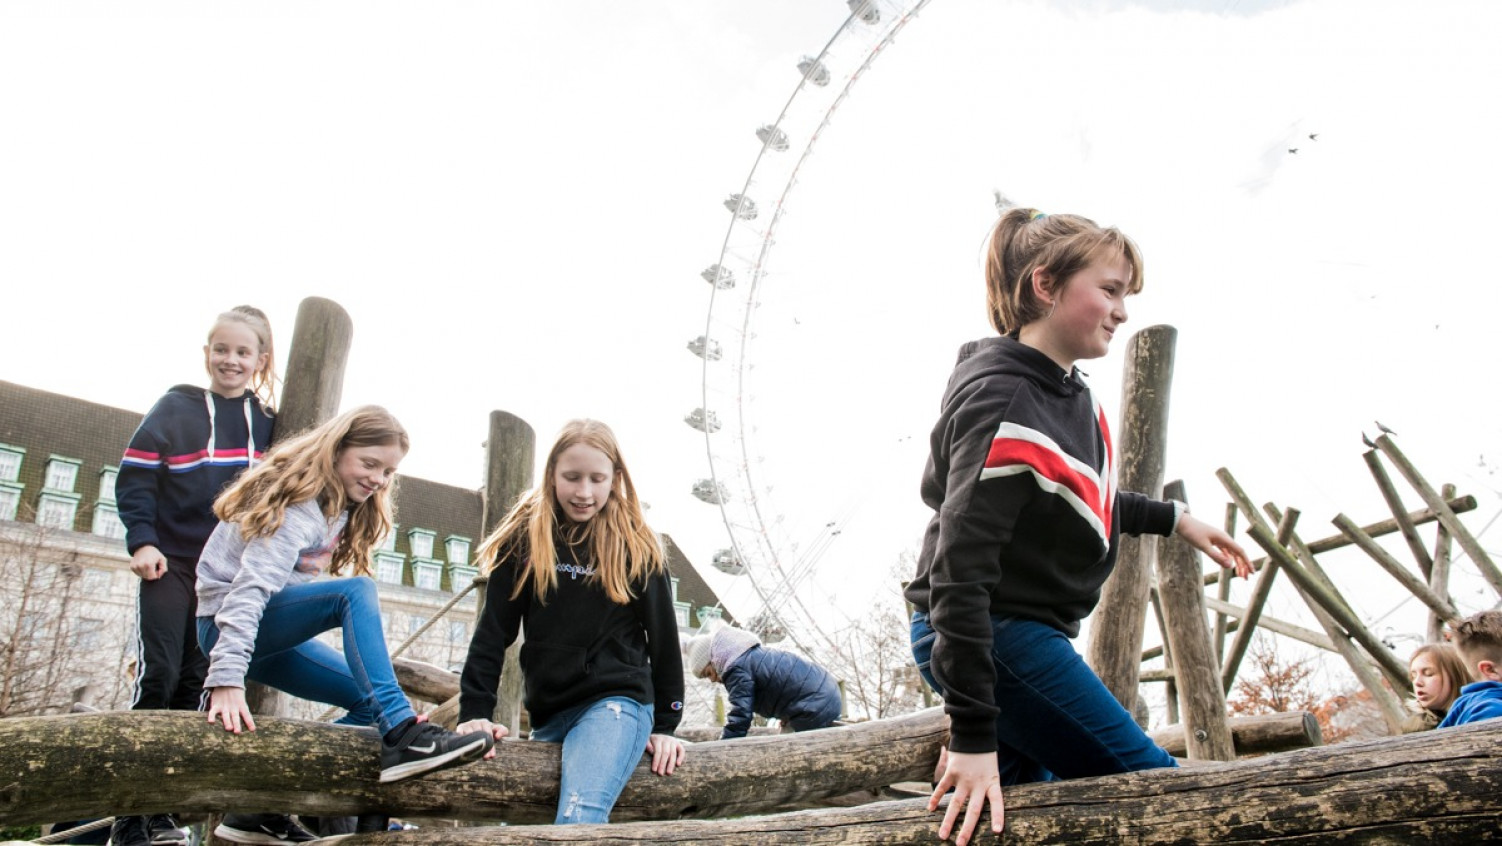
(778, 684)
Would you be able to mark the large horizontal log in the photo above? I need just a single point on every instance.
(134, 762)
(428, 682)
(1432, 787)
(1256, 735)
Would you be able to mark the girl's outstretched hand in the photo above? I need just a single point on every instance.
(667, 753)
(495, 730)
(976, 781)
(227, 707)
(1215, 543)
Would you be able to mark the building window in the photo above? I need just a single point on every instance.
(107, 522)
(389, 568)
(62, 473)
(457, 549)
(107, 478)
(681, 611)
(458, 631)
(420, 543)
(96, 582)
(388, 543)
(427, 575)
(10, 500)
(674, 580)
(414, 623)
(57, 510)
(461, 577)
(10, 462)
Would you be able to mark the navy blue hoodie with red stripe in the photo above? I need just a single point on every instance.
(188, 448)
(1022, 480)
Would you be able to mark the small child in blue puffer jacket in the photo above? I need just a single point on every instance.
(763, 680)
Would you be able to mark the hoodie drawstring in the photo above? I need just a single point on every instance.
(250, 429)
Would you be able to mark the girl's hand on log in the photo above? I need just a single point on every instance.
(976, 780)
(667, 753)
(227, 707)
(1215, 543)
(495, 730)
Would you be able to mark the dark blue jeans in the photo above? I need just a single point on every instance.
(286, 656)
(1057, 719)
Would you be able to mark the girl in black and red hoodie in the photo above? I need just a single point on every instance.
(1022, 480)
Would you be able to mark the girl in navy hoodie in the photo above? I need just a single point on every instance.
(1022, 480)
(576, 563)
(188, 448)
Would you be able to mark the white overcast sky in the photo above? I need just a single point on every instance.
(514, 201)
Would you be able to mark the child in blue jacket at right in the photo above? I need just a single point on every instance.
(1478, 638)
(761, 680)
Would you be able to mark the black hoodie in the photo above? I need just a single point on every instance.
(1022, 480)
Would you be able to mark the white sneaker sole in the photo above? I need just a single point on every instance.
(240, 835)
(461, 755)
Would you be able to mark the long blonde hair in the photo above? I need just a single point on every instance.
(263, 381)
(302, 468)
(622, 547)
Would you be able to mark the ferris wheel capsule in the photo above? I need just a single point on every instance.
(741, 206)
(723, 278)
(865, 10)
(729, 561)
(712, 492)
(706, 348)
(773, 137)
(704, 421)
(814, 71)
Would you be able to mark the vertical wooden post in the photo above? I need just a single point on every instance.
(312, 382)
(1196, 675)
(510, 454)
(1439, 576)
(1170, 684)
(1254, 606)
(1223, 591)
(1116, 632)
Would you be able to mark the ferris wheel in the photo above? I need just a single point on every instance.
(759, 549)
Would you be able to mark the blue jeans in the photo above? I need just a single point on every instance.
(602, 743)
(286, 656)
(1057, 719)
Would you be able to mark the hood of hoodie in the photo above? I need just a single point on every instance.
(1005, 355)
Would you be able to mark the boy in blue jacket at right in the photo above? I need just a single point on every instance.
(761, 680)
(1478, 638)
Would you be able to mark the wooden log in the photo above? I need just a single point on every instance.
(1274, 625)
(1119, 619)
(1437, 605)
(139, 762)
(1457, 504)
(1446, 517)
(1254, 604)
(509, 457)
(1433, 787)
(1394, 502)
(314, 372)
(428, 682)
(1255, 735)
(1201, 700)
(1439, 577)
(1223, 591)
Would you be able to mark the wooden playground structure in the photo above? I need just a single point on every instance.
(1253, 780)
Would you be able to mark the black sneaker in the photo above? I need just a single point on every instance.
(423, 747)
(163, 830)
(262, 828)
(129, 831)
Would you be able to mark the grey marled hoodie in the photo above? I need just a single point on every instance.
(236, 577)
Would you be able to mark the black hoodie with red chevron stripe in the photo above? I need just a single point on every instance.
(1022, 479)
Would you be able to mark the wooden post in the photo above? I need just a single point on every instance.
(510, 453)
(1201, 699)
(1447, 517)
(1399, 511)
(313, 381)
(1437, 605)
(1121, 615)
(1223, 591)
(1254, 606)
(1439, 577)
(1171, 695)
(314, 375)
